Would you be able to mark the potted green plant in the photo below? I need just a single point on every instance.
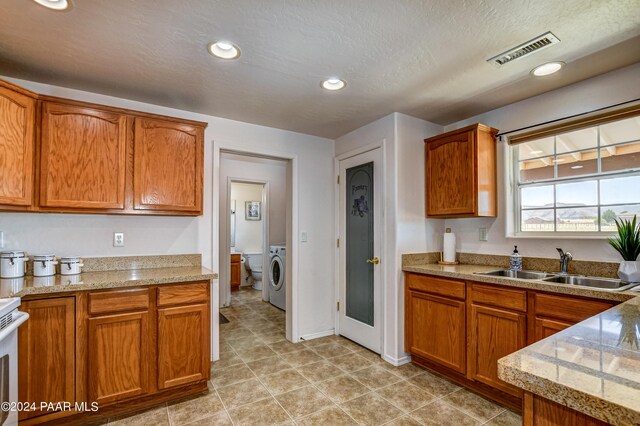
(627, 243)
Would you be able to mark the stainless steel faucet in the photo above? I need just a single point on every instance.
(564, 260)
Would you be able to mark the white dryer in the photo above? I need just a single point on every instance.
(277, 273)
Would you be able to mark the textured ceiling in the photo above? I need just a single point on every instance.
(423, 58)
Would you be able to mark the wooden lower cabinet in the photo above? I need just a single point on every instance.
(180, 330)
(236, 271)
(119, 356)
(551, 313)
(436, 329)
(46, 344)
(125, 349)
(494, 333)
(545, 327)
(461, 329)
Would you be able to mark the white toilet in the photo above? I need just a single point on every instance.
(253, 265)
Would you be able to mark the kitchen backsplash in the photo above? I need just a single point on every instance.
(123, 263)
(582, 267)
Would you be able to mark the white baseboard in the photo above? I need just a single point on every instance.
(312, 336)
(397, 361)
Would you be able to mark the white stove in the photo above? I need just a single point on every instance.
(10, 320)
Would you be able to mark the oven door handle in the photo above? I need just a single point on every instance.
(18, 319)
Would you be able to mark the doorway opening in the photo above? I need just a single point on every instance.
(255, 226)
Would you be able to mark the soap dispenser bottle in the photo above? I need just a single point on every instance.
(515, 260)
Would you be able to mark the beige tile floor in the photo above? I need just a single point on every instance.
(262, 379)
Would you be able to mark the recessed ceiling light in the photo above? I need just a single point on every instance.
(547, 69)
(55, 4)
(333, 84)
(224, 50)
(576, 167)
(536, 152)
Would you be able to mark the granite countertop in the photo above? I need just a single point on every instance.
(469, 272)
(592, 367)
(20, 287)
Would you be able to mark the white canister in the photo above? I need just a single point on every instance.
(44, 265)
(12, 264)
(70, 265)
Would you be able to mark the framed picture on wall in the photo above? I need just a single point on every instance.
(252, 210)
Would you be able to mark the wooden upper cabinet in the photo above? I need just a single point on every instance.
(17, 130)
(82, 157)
(168, 166)
(460, 173)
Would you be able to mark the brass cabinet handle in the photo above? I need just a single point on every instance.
(375, 260)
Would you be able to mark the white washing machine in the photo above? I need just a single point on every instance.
(277, 273)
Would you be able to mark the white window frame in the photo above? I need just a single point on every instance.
(512, 191)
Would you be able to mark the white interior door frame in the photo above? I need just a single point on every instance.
(380, 144)
(292, 272)
(226, 216)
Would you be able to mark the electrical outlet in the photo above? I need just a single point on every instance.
(1, 239)
(482, 234)
(118, 239)
(304, 237)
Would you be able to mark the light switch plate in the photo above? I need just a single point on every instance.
(118, 239)
(1, 239)
(482, 234)
(304, 237)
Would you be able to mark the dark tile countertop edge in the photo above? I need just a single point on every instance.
(469, 272)
(29, 285)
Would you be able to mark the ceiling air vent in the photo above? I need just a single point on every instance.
(541, 42)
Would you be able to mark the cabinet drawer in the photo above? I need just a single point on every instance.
(183, 293)
(439, 286)
(568, 308)
(108, 302)
(499, 297)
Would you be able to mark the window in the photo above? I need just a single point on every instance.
(577, 178)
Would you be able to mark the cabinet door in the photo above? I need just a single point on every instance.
(450, 175)
(82, 157)
(236, 272)
(545, 327)
(183, 345)
(118, 356)
(168, 166)
(436, 329)
(17, 127)
(495, 333)
(46, 348)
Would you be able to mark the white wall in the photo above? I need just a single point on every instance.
(90, 235)
(249, 233)
(598, 92)
(405, 227)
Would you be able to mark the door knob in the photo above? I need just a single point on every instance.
(375, 260)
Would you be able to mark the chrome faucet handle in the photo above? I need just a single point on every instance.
(568, 255)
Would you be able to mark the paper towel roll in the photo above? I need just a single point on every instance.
(449, 247)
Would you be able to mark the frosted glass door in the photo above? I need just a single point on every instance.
(359, 241)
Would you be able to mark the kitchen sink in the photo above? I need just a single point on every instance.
(609, 284)
(523, 275)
